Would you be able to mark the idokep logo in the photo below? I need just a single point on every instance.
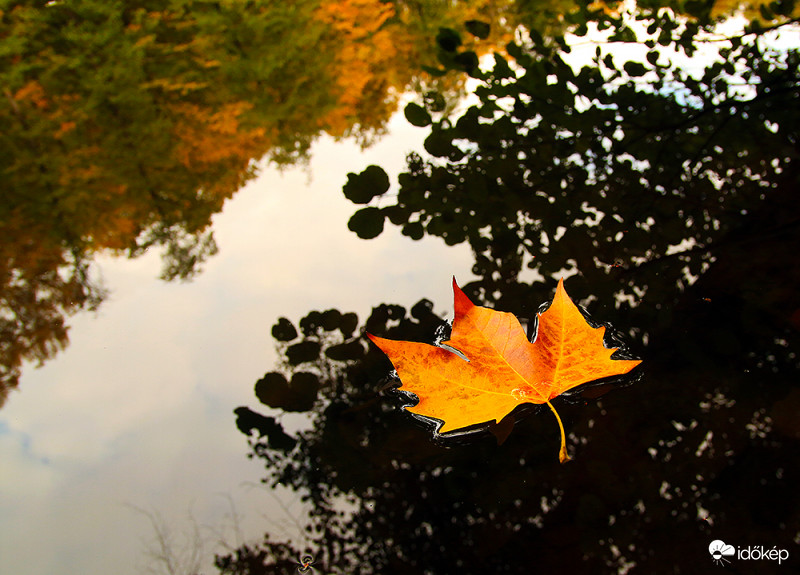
(720, 553)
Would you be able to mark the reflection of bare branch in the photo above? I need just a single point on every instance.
(221, 534)
(168, 556)
(291, 522)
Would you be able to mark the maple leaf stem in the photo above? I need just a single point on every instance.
(562, 454)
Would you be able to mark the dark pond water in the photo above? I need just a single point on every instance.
(657, 173)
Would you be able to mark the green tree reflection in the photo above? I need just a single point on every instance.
(126, 125)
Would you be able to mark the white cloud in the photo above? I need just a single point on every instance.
(138, 409)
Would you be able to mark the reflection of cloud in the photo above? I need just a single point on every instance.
(139, 408)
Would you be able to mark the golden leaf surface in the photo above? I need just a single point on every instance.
(503, 369)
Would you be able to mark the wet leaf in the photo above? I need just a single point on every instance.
(496, 368)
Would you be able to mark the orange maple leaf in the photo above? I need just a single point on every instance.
(502, 368)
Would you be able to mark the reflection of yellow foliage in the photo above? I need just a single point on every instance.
(379, 50)
(748, 8)
(130, 128)
(98, 204)
(63, 129)
(170, 85)
(601, 5)
(357, 18)
(34, 93)
(365, 60)
(208, 137)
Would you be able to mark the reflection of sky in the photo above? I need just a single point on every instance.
(138, 409)
(707, 50)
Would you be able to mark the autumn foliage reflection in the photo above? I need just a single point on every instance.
(127, 125)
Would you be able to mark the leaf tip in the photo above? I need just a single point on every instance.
(460, 300)
(376, 340)
(561, 294)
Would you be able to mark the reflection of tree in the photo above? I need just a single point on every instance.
(41, 285)
(169, 555)
(698, 439)
(674, 194)
(126, 125)
(629, 171)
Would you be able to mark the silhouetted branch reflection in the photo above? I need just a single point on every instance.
(669, 194)
(638, 176)
(653, 462)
